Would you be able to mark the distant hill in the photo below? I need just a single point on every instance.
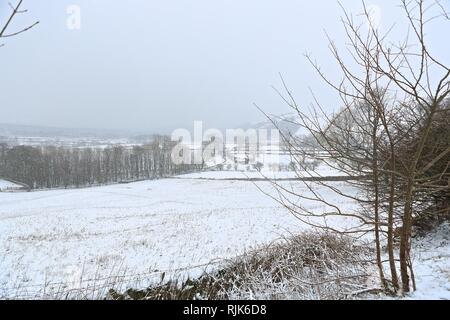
(286, 123)
(18, 130)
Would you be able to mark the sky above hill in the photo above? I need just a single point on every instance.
(154, 65)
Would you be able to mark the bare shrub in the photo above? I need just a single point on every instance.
(308, 266)
(392, 94)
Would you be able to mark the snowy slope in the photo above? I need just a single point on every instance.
(66, 237)
(7, 185)
(431, 261)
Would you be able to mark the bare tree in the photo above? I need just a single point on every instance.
(391, 96)
(15, 10)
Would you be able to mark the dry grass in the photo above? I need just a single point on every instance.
(312, 265)
(307, 266)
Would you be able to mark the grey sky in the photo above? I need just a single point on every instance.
(147, 64)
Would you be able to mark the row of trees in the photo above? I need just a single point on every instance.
(56, 167)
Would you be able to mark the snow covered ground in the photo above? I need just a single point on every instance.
(138, 230)
(431, 261)
(131, 234)
(7, 185)
(321, 170)
(430, 257)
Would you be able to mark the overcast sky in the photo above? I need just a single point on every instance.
(151, 65)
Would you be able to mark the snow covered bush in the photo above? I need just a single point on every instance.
(311, 265)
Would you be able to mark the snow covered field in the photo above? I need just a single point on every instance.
(130, 234)
(321, 171)
(7, 185)
(70, 236)
(431, 260)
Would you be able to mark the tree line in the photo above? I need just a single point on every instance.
(62, 167)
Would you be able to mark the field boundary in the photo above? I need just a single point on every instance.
(324, 178)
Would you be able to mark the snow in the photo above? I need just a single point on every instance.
(430, 257)
(133, 233)
(7, 185)
(431, 261)
(220, 175)
(322, 171)
(178, 226)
